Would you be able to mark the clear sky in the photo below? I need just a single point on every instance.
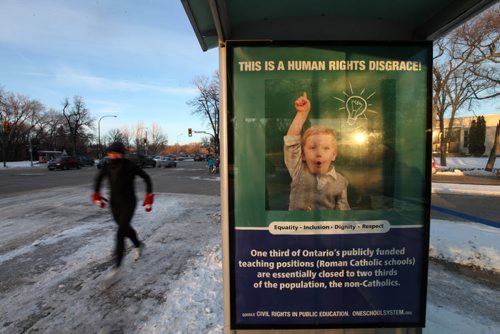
(129, 58)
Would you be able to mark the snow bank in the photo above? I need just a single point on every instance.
(465, 189)
(467, 163)
(467, 166)
(468, 244)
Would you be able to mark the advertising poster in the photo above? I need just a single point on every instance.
(329, 184)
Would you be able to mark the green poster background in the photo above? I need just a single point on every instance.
(380, 116)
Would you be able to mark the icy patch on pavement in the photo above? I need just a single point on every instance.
(206, 178)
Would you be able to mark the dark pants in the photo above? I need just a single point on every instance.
(123, 213)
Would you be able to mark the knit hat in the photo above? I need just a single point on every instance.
(117, 147)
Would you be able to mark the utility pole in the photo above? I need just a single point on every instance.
(5, 133)
(2, 135)
(3, 146)
(30, 148)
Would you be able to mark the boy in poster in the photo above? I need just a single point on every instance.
(315, 183)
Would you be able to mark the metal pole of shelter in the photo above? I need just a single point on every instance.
(224, 186)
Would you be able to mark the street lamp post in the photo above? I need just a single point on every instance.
(3, 121)
(99, 133)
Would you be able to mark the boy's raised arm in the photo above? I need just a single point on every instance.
(302, 106)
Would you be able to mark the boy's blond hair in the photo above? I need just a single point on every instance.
(319, 130)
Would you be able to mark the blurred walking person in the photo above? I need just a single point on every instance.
(121, 173)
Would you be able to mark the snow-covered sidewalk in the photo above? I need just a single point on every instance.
(196, 294)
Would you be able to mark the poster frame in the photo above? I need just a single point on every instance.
(228, 185)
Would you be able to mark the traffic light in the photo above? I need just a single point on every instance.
(6, 127)
(190, 132)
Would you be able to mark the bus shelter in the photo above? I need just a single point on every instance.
(326, 141)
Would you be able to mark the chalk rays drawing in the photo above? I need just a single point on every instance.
(356, 105)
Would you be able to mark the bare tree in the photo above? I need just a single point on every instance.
(126, 136)
(139, 134)
(149, 140)
(482, 37)
(35, 127)
(461, 73)
(77, 118)
(114, 135)
(22, 114)
(157, 140)
(52, 133)
(206, 104)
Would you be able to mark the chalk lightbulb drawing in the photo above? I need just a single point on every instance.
(356, 105)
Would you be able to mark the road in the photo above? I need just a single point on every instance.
(466, 207)
(188, 177)
(56, 247)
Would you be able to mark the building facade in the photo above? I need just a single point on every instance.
(459, 141)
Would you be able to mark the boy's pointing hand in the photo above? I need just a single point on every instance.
(302, 104)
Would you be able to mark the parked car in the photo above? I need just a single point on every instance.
(141, 160)
(86, 160)
(199, 157)
(64, 162)
(102, 162)
(166, 162)
(148, 161)
(156, 158)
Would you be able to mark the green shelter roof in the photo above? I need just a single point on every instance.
(217, 21)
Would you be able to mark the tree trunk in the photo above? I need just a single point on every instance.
(442, 151)
(493, 152)
(442, 142)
